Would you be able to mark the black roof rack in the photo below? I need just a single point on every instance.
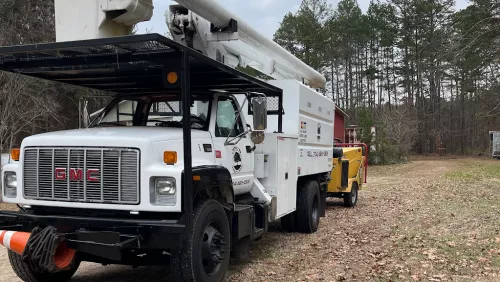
(134, 64)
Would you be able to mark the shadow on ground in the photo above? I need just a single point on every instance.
(89, 272)
(94, 272)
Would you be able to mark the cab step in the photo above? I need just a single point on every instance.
(250, 220)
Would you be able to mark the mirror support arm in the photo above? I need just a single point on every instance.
(240, 136)
(234, 140)
(83, 113)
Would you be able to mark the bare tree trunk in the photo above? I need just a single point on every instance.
(346, 83)
(338, 81)
(451, 138)
(351, 94)
(462, 114)
(388, 80)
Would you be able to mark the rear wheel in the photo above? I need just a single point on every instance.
(26, 273)
(205, 256)
(308, 205)
(351, 199)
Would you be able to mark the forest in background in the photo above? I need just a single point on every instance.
(30, 106)
(427, 76)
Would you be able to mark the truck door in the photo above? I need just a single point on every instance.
(238, 156)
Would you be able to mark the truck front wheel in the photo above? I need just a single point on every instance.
(27, 274)
(205, 256)
(308, 207)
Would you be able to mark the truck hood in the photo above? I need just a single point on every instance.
(103, 136)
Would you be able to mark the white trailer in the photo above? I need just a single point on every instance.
(170, 172)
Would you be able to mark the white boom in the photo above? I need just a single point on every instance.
(273, 59)
(239, 45)
(90, 19)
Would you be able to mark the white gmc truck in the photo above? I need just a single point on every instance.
(188, 164)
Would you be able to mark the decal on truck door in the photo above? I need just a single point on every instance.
(237, 163)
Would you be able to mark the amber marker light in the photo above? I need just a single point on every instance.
(170, 157)
(172, 77)
(15, 154)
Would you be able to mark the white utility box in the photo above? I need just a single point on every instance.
(281, 176)
(304, 148)
(495, 144)
(309, 117)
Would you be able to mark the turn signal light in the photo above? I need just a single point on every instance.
(15, 154)
(170, 157)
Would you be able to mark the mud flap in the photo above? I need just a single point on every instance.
(322, 196)
(242, 221)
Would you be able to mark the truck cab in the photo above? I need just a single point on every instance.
(130, 157)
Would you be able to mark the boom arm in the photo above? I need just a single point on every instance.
(218, 31)
(204, 25)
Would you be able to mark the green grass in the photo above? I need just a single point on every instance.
(474, 171)
(457, 223)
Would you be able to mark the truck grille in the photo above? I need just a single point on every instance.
(92, 175)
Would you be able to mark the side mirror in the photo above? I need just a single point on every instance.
(259, 106)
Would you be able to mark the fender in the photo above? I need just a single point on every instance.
(211, 176)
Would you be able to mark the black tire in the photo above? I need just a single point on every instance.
(308, 205)
(25, 273)
(351, 199)
(289, 222)
(210, 228)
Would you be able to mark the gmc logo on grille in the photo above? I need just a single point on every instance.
(76, 174)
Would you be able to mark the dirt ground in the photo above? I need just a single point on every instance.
(429, 220)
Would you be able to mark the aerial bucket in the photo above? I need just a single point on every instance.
(17, 242)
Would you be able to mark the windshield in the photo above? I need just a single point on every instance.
(163, 111)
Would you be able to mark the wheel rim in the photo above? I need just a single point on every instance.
(212, 249)
(315, 210)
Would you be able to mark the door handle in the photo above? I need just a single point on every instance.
(286, 176)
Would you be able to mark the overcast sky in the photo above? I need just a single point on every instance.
(264, 15)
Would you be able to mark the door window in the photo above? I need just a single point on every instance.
(228, 121)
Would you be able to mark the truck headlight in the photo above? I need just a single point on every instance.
(10, 184)
(163, 192)
(165, 186)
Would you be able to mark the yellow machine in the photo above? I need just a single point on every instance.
(350, 162)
